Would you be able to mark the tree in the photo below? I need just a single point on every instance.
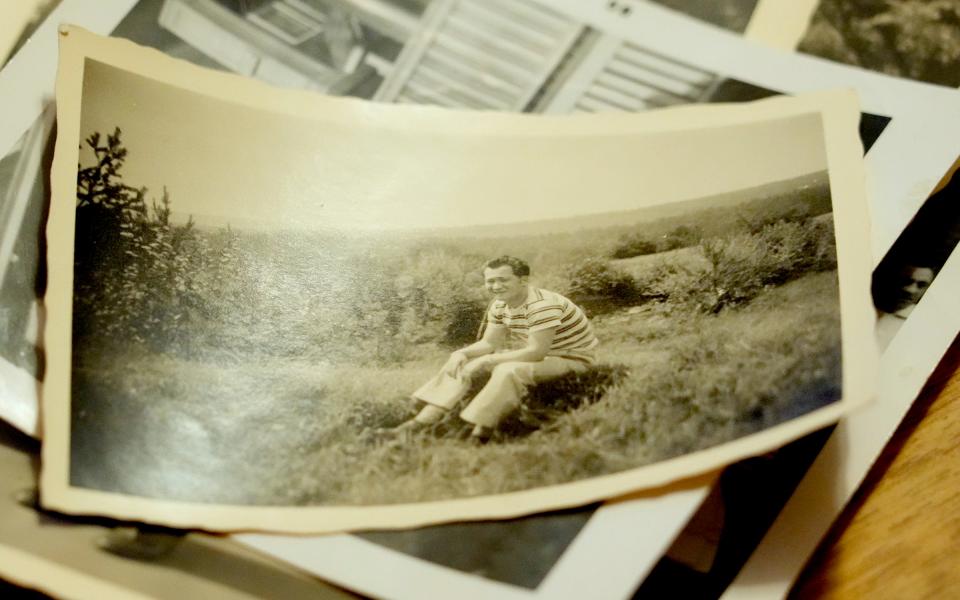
(138, 277)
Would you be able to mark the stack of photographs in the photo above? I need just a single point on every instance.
(244, 285)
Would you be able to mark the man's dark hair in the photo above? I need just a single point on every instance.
(519, 267)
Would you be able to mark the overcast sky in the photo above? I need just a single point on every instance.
(220, 160)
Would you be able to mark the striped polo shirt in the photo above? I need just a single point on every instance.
(542, 310)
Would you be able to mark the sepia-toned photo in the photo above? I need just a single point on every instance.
(260, 320)
(380, 55)
(598, 70)
(88, 557)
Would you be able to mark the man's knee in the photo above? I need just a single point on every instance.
(510, 370)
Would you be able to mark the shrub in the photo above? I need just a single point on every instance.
(681, 236)
(677, 282)
(637, 244)
(599, 287)
(742, 265)
(633, 244)
(733, 269)
(444, 304)
(139, 277)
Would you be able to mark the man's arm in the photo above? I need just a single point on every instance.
(538, 344)
(493, 338)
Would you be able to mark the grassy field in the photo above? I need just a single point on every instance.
(260, 430)
(269, 367)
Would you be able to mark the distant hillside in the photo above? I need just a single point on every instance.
(809, 194)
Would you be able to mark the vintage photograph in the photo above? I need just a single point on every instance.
(915, 260)
(23, 207)
(88, 557)
(543, 556)
(915, 39)
(893, 200)
(729, 14)
(249, 38)
(396, 339)
(600, 71)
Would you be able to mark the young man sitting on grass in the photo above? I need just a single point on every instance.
(531, 335)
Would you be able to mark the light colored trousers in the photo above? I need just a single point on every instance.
(503, 392)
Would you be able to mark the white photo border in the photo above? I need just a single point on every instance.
(837, 108)
(27, 89)
(618, 547)
(901, 175)
(26, 86)
(856, 443)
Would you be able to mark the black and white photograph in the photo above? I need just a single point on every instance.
(396, 338)
(915, 260)
(22, 213)
(914, 280)
(729, 14)
(86, 557)
(363, 50)
(727, 60)
(593, 69)
(913, 39)
(543, 556)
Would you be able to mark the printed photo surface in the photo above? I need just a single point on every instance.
(703, 56)
(93, 557)
(916, 259)
(535, 557)
(728, 14)
(320, 289)
(144, 28)
(914, 338)
(602, 65)
(913, 39)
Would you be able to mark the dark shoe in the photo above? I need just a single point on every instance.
(480, 434)
(139, 544)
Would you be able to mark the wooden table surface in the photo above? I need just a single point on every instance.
(900, 535)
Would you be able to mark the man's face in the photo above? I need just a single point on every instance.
(914, 282)
(504, 285)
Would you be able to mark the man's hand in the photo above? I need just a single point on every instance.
(477, 365)
(454, 363)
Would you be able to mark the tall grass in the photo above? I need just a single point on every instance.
(300, 432)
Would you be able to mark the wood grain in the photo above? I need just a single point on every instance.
(900, 535)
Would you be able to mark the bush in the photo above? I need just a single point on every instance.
(599, 287)
(637, 244)
(735, 268)
(742, 265)
(633, 244)
(681, 236)
(138, 277)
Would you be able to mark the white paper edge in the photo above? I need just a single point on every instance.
(608, 559)
(780, 23)
(26, 84)
(899, 181)
(855, 444)
(58, 580)
(16, 16)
